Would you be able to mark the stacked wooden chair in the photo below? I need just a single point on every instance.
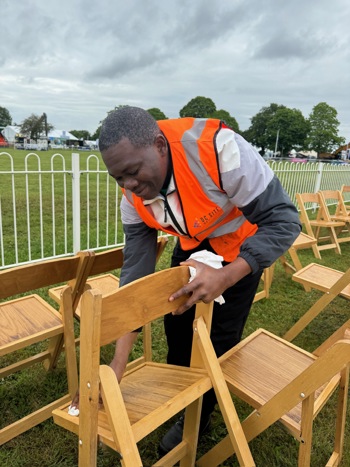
(30, 320)
(151, 393)
(346, 198)
(315, 227)
(341, 213)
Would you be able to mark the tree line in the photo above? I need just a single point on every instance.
(275, 127)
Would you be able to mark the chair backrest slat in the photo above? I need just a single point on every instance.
(145, 299)
(25, 278)
(335, 195)
(107, 261)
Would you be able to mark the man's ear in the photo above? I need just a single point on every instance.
(161, 144)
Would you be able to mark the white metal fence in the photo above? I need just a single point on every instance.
(56, 206)
(310, 177)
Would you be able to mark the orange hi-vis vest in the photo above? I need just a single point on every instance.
(206, 207)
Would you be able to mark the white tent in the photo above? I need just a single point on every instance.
(10, 132)
(61, 135)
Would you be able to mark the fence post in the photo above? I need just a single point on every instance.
(76, 201)
(318, 177)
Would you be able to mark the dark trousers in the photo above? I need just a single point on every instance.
(227, 324)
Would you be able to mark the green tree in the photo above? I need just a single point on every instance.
(204, 107)
(258, 132)
(324, 126)
(291, 128)
(96, 135)
(198, 107)
(81, 134)
(157, 114)
(227, 118)
(5, 117)
(35, 126)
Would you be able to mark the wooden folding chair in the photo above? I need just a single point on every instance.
(151, 393)
(30, 320)
(283, 382)
(266, 280)
(323, 221)
(346, 198)
(102, 279)
(302, 242)
(341, 213)
(331, 282)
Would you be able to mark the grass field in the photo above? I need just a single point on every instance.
(50, 445)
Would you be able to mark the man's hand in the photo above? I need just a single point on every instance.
(209, 282)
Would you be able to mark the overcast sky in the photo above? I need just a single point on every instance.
(78, 59)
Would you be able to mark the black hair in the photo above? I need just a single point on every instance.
(133, 123)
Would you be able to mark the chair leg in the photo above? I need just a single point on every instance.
(118, 418)
(55, 349)
(191, 430)
(335, 240)
(147, 342)
(268, 278)
(237, 437)
(287, 266)
(316, 251)
(317, 232)
(341, 417)
(307, 413)
(295, 259)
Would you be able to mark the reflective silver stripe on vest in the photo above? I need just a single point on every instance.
(193, 159)
(229, 227)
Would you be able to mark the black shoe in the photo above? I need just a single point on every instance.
(173, 437)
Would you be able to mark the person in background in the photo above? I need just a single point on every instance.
(200, 181)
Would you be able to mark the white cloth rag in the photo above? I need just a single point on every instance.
(211, 259)
(73, 411)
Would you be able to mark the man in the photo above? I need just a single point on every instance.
(200, 181)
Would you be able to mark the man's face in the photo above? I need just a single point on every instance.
(140, 170)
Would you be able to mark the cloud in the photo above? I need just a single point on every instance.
(77, 59)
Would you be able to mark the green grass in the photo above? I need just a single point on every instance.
(50, 445)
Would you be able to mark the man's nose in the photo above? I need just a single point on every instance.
(130, 183)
